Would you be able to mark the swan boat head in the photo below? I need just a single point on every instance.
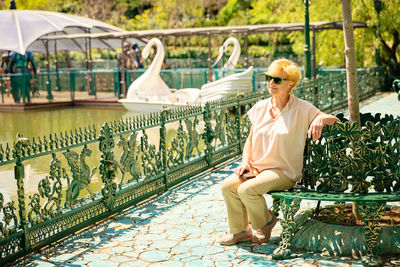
(149, 86)
(234, 57)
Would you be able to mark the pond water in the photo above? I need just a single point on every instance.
(44, 122)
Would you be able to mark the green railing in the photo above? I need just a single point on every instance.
(129, 169)
(80, 190)
(83, 84)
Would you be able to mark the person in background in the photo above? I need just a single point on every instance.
(126, 56)
(5, 59)
(20, 84)
(272, 156)
(130, 58)
(138, 54)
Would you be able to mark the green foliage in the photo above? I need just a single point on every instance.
(169, 14)
(235, 12)
(228, 12)
(28, 4)
(192, 52)
(163, 14)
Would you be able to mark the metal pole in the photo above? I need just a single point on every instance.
(48, 83)
(122, 82)
(307, 53)
(87, 85)
(92, 90)
(58, 86)
(246, 48)
(209, 58)
(313, 56)
(378, 8)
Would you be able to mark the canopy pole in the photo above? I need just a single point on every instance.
(209, 58)
(92, 90)
(189, 56)
(87, 85)
(58, 86)
(123, 71)
(246, 50)
(269, 48)
(48, 83)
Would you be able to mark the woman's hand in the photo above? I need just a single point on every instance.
(240, 170)
(318, 123)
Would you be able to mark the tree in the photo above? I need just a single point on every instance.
(351, 75)
(387, 25)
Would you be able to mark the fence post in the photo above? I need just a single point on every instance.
(108, 166)
(93, 84)
(163, 144)
(2, 88)
(208, 134)
(316, 91)
(237, 121)
(191, 79)
(72, 84)
(19, 175)
(254, 81)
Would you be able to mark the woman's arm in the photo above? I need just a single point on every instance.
(319, 121)
(246, 155)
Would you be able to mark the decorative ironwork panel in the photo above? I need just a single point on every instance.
(221, 118)
(371, 216)
(81, 175)
(149, 156)
(189, 169)
(50, 189)
(289, 208)
(9, 221)
(176, 153)
(135, 194)
(12, 247)
(192, 139)
(245, 123)
(129, 160)
(47, 229)
(347, 157)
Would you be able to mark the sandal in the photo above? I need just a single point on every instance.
(263, 235)
(233, 239)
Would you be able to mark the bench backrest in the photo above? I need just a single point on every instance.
(355, 160)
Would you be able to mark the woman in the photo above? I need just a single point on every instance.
(273, 154)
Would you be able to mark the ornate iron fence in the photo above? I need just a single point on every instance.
(130, 168)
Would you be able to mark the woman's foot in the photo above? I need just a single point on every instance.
(263, 235)
(233, 239)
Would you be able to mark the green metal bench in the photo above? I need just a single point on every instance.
(348, 165)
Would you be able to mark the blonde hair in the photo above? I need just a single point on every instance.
(289, 67)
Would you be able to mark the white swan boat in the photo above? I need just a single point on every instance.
(234, 58)
(149, 93)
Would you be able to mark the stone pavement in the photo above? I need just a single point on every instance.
(385, 103)
(179, 228)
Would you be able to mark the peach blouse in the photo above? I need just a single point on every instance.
(278, 143)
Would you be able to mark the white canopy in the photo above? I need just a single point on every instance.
(78, 41)
(21, 28)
